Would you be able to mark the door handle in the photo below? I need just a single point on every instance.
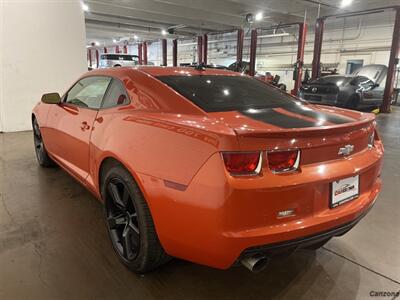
(85, 126)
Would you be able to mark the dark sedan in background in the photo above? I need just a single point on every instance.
(364, 88)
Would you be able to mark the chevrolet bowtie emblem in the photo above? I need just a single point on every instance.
(346, 150)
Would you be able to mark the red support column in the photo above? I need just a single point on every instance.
(125, 49)
(199, 49)
(97, 58)
(240, 41)
(145, 53)
(117, 49)
(300, 57)
(393, 59)
(253, 49)
(164, 52)
(205, 48)
(319, 33)
(90, 57)
(175, 52)
(140, 53)
(105, 49)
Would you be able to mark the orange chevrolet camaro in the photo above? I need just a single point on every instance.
(209, 165)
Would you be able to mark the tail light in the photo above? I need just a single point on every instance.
(242, 163)
(283, 161)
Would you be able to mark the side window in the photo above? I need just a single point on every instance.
(116, 95)
(88, 92)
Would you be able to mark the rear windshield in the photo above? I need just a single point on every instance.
(119, 57)
(226, 93)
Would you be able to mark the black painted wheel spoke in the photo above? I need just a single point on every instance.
(122, 219)
(126, 242)
(115, 195)
(36, 131)
(134, 227)
(125, 196)
(114, 221)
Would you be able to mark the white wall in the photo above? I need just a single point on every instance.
(42, 49)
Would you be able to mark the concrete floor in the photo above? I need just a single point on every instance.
(53, 244)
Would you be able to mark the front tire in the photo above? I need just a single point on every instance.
(42, 156)
(129, 222)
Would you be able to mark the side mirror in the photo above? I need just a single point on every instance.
(51, 98)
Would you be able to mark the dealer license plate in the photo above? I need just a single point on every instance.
(344, 190)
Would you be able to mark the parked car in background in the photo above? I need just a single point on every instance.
(243, 67)
(208, 66)
(364, 88)
(273, 80)
(118, 60)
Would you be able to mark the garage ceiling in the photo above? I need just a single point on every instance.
(122, 19)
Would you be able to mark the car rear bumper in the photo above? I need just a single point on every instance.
(217, 218)
(292, 245)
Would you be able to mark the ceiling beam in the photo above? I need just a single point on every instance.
(141, 23)
(164, 13)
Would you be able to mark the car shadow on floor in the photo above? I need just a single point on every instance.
(302, 274)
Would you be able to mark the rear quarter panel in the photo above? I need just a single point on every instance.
(166, 147)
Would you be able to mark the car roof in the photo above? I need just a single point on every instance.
(163, 71)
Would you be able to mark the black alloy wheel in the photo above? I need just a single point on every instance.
(37, 139)
(129, 221)
(41, 154)
(122, 219)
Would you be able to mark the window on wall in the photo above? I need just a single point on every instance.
(88, 92)
(353, 65)
(116, 95)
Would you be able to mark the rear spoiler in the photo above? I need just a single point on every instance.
(305, 132)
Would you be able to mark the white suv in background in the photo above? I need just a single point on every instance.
(118, 60)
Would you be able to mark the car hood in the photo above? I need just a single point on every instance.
(374, 72)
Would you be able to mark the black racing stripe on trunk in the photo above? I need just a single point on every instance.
(275, 118)
(317, 115)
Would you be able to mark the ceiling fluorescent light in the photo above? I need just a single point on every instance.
(274, 35)
(259, 16)
(345, 3)
(85, 7)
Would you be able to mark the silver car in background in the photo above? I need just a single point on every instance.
(118, 60)
(363, 88)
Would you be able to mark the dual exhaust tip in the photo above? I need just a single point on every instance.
(255, 263)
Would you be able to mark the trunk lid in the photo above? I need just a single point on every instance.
(319, 132)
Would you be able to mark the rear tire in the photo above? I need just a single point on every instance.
(129, 222)
(42, 156)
